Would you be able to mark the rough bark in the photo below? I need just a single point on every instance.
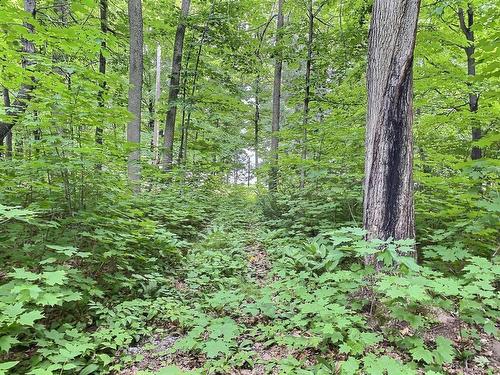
(307, 94)
(135, 90)
(174, 87)
(103, 12)
(388, 185)
(156, 124)
(24, 95)
(275, 124)
(466, 27)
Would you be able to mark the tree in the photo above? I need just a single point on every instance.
(388, 191)
(103, 15)
(156, 124)
(135, 90)
(466, 28)
(174, 87)
(23, 96)
(275, 124)
(307, 94)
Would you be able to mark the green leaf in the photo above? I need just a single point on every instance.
(350, 367)
(55, 277)
(421, 354)
(89, 369)
(170, 370)
(13, 310)
(4, 366)
(214, 347)
(28, 319)
(444, 352)
(6, 342)
(22, 274)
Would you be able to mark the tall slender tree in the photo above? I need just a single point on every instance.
(185, 133)
(388, 184)
(174, 87)
(466, 27)
(24, 95)
(103, 15)
(307, 91)
(135, 90)
(275, 123)
(156, 124)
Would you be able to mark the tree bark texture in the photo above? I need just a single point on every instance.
(275, 123)
(103, 13)
(135, 90)
(466, 27)
(174, 87)
(388, 186)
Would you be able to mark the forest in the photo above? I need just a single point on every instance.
(249, 187)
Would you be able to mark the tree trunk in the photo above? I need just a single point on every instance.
(275, 124)
(8, 137)
(256, 120)
(174, 87)
(19, 106)
(388, 186)
(307, 94)
(135, 91)
(156, 124)
(195, 78)
(103, 10)
(476, 152)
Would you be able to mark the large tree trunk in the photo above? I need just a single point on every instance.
(23, 96)
(156, 124)
(388, 185)
(476, 152)
(103, 11)
(307, 95)
(135, 90)
(174, 87)
(275, 124)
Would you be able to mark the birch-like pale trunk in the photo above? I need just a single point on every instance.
(156, 124)
(136, 68)
(388, 184)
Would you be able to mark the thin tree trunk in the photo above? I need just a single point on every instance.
(256, 120)
(185, 78)
(307, 94)
(195, 78)
(275, 124)
(156, 125)
(24, 95)
(174, 87)
(8, 137)
(103, 10)
(476, 152)
(388, 184)
(135, 90)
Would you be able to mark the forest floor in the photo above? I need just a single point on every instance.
(227, 322)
